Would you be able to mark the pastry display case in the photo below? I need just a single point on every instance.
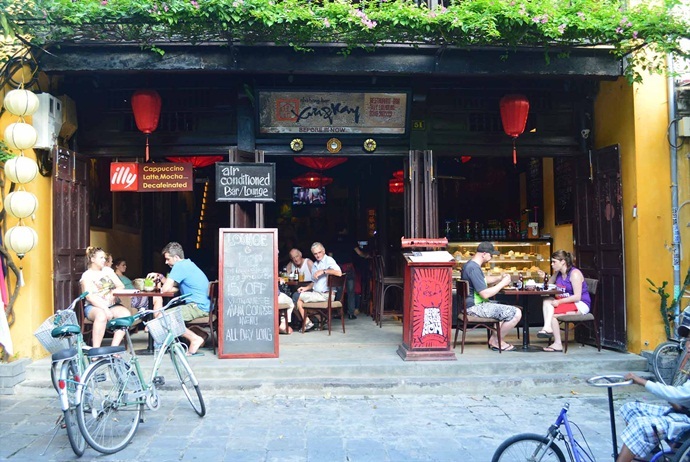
(526, 257)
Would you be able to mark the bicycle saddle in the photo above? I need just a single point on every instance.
(103, 351)
(67, 329)
(121, 323)
(64, 354)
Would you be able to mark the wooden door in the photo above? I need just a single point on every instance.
(70, 224)
(598, 233)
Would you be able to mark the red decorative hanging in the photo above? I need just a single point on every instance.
(312, 180)
(320, 163)
(465, 159)
(396, 186)
(398, 174)
(146, 105)
(514, 111)
(197, 161)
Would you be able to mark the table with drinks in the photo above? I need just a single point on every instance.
(528, 288)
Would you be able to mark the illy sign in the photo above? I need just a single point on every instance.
(124, 176)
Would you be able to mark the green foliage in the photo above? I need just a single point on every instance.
(641, 33)
(668, 312)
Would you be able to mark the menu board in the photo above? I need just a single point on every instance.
(245, 182)
(247, 297)
(535, 191)
(564, 189)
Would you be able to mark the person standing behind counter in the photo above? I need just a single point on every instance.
(317, 291)
(481, 288)
(573, 299)
(191, 280)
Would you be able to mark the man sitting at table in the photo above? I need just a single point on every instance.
(303, 265)
(189, 279)
(317, 291)
(481, 288)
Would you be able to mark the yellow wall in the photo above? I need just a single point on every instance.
(636, 117)
(35, 301)
(121, 245)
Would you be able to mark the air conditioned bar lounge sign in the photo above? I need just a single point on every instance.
(332, 112)
(245, 182)
(154, 177)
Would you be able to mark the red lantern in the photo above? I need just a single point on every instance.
(312, 180)
(146, 105)
(514, 110)
(320, 163)
(197, 161)
(396, 185)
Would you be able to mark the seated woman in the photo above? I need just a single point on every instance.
(100, 305)
(574, 297)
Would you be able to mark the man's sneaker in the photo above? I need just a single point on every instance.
(309, 326)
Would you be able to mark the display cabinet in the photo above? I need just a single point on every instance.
(526, 257)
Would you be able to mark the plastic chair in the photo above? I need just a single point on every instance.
(336, 284)
(470, 322)
(210, 321)
(589, 320)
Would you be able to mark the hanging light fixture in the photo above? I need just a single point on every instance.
(396, 185)
(312, 180)
(320, 163)
(21, 204)
(146, 105)
(197, 161)
(21, 169)
(21, 102)
(514, 111)
(20, 136)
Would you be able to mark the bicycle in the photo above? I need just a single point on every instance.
(674, 352)
(61, 336)
(112, 396)
(543, 448)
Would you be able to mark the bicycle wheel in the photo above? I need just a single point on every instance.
(682, 370)
(187, 379)
(664, 361)
(107, 419)
(683, 453)
(528, 447)
(70, 374)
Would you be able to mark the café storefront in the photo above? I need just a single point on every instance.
(437, 120)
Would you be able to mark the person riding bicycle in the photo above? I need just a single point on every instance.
(648, 423)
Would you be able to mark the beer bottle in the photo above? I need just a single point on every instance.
(546, 281)
(520, 282)
(295, 275)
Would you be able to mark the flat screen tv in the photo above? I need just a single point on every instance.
(308, 196)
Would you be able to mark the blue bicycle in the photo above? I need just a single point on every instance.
(531, 447)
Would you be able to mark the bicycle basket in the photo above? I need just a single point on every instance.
(53, 345)
(170, 321)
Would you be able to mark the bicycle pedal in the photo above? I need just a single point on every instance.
(159, 380)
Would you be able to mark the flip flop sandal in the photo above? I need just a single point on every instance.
(544, 334)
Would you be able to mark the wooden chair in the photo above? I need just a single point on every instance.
(335, 283)
(210, 321)
(468, 322)
(589, 320)
(384, 283)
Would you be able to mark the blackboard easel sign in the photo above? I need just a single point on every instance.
(247, 297)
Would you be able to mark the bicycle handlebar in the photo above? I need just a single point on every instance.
(609, 381)
(173, 301)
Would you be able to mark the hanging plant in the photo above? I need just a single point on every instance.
(557, 26)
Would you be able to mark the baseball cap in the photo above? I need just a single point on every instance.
(487, 247)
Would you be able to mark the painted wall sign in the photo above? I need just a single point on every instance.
(245, 182)
(154, 177)
(332, 112)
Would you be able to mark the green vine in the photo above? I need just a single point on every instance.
(668, 312)
(642, 33)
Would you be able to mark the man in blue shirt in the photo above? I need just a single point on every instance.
(186, 277)
(317, 291)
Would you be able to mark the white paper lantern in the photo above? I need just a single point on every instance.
(21, 102)
(20, 135)
(21, 169)
(21, 204)
(21, 239)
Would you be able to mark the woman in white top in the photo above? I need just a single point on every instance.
(101, 305)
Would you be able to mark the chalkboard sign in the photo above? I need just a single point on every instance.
(564, 189)
(245, 182)
(247, 297)
(535, 190)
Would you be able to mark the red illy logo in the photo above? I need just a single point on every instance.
(124, 176)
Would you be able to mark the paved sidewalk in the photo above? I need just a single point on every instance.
(318, 428)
